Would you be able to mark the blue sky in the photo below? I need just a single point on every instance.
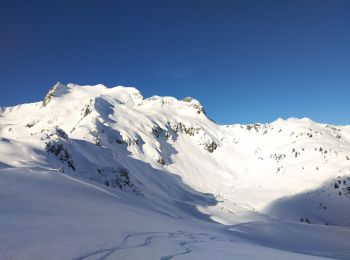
(246, 61)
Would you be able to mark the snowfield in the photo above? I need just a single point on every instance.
(102, 173)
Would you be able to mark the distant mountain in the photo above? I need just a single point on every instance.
(165, 156)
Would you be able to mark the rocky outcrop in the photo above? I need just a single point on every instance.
(57, 90)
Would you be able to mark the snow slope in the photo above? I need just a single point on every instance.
(95, 172)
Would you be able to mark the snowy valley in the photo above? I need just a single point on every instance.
(93, 172)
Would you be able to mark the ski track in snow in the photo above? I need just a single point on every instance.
(90, 185)
(181, 240)
(74, 179)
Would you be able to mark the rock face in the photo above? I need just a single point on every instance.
(117, 138)
(196, 104)
(57, 90)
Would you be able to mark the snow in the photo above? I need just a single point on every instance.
(155, 178)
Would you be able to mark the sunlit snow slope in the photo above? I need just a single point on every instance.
(97, 172)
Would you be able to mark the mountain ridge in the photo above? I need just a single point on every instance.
(167, 154)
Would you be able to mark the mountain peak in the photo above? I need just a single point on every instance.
(56, 91)
(125, 95)
(195, 103)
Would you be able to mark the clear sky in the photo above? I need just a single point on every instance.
(246, 61)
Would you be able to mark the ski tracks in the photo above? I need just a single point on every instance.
(180, 242)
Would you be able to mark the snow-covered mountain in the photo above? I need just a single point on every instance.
(147, 169)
